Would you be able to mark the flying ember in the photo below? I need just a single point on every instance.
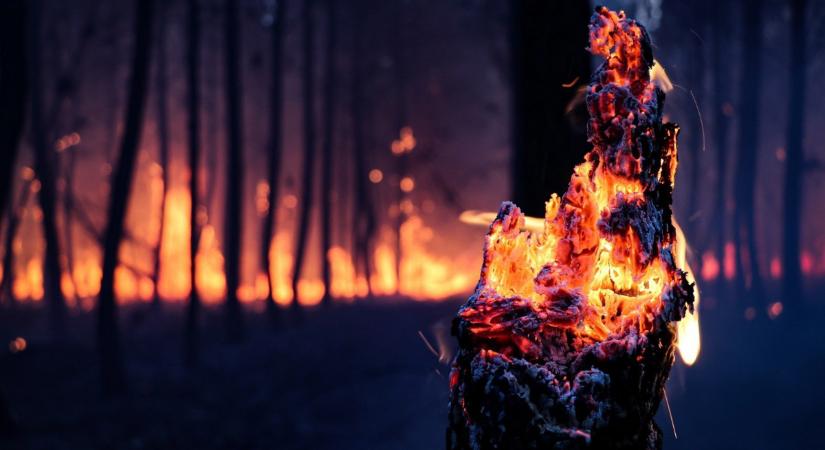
(570, 335)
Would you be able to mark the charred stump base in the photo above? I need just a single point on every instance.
(603, 396)
(571, 333)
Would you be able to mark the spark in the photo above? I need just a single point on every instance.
(670, 414)
(427, 343)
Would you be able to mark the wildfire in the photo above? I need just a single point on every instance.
(425, 276)
(606, 257)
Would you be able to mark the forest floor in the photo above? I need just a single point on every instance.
(360, 377)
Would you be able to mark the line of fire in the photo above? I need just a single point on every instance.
(411, 224)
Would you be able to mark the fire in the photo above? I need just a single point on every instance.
(607, 257)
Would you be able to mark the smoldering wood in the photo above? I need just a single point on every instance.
(527, 376)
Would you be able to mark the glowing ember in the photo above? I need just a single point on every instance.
(584, 303)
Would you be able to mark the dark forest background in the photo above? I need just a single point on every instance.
(304, 164)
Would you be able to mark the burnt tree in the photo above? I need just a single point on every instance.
(548, 65)
(162, 123)
(15, 216)
(108, 339)
(44, 166)
(13, 90)
(326, 152)
(276, 108)
(192, 335)
(721, 120)
(363, 215)
(744, 221)
(307, 180)
(233, 225)
(794, 177)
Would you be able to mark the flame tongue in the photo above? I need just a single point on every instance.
(569, 337)
(603, 264)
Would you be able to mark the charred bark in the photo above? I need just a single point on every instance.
(794, 176)
(275, 143)
(108, 336)
(44, 167)
(307, 180)
(192, 338)
(162, 118)
(749, 279)
(326, 152)
(573, 351)
(13, 91)
(233, 225)
(549, 65)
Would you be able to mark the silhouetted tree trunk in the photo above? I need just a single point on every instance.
(721, 121)
(548, 41)
(13, 89)
(192, 338)
(792, 285)
(401, 121)
(326, 153)
(749, 95)
(233, 225)
(308, 83)
(45, 174)
(275, 142)
(68, 219)
(163, 142)
(15, 215)
(108, 339)
(363, 214)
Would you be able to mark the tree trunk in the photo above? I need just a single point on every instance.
(163, 142)
(275, 142)
(326, 153)
(233, 225)
(721, 120)
(307, 179)
(749, 94)
(792, 282)
(545, 145)
(45, 173)
(363, 215)
(13, 89)
(15, 215)
(401, 121)
(111, 364)
(191, 346)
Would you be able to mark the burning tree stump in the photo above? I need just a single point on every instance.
(570, 335)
